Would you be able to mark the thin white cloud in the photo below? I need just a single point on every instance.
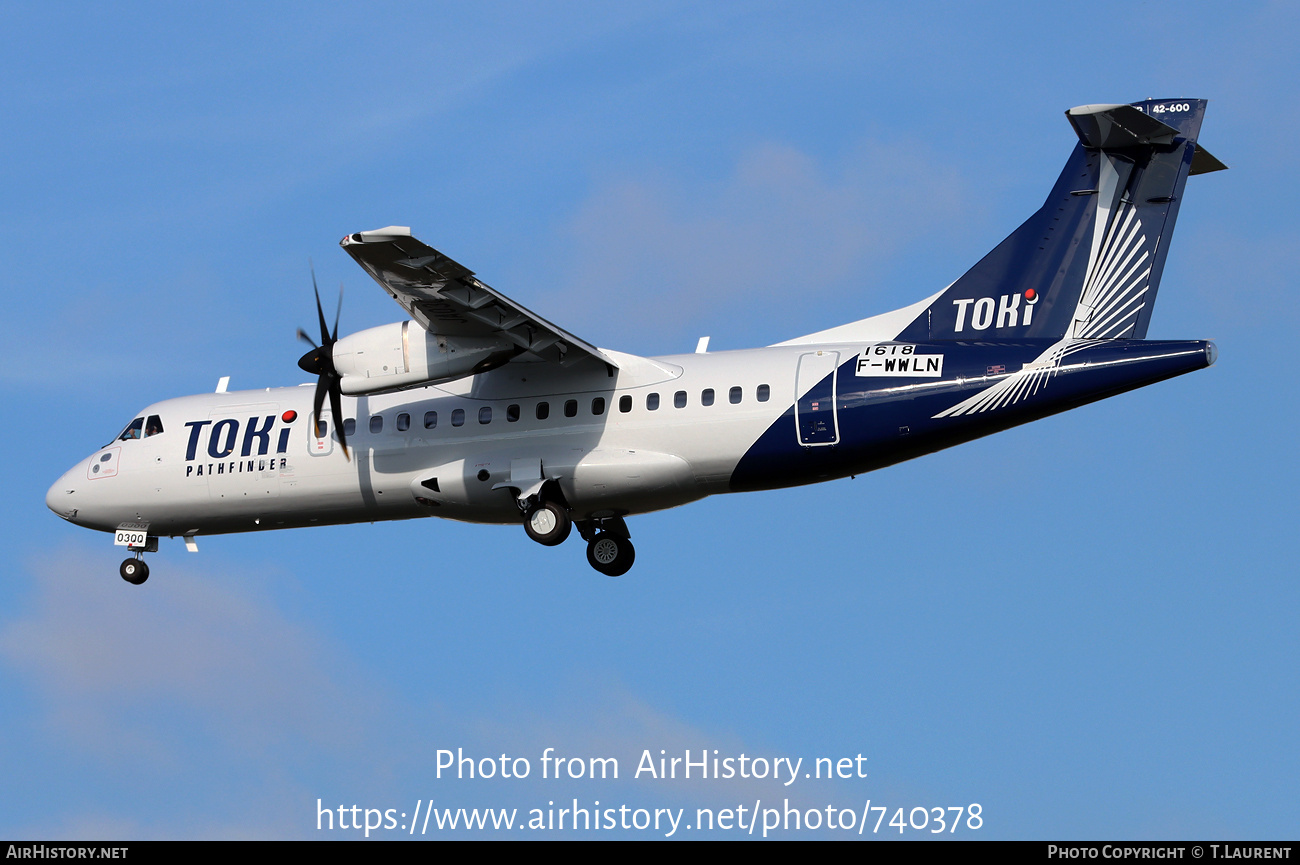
(199, 684)
(784, 228)
(193, 641)
(603, 718)
(195, 683)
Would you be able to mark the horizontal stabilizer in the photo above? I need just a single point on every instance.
(386, 233)
(1203, 162)
(1115, 127)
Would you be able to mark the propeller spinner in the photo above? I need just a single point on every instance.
(320, 363)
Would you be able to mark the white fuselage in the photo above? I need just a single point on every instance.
(228, 462)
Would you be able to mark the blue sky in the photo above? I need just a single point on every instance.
(1086, 625)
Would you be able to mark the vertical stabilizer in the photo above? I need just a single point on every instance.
(1088, 263)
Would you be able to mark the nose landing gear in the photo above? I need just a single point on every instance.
(134, 571)
(137, 540)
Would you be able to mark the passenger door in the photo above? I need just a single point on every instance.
(815, 416)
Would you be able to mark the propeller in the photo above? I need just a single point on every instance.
(320, 363)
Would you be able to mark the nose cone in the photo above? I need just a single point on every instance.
(62, 497)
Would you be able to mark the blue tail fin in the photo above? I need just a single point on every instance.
(1088, 263)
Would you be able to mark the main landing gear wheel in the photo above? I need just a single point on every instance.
(548, 524)
(134, 571)
(610, 554)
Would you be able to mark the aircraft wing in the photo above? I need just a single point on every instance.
(444, 298)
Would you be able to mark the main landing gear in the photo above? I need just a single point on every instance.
(548, 524)
(608, 549)
(611, 555)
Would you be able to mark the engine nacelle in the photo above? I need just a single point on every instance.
(403, 354)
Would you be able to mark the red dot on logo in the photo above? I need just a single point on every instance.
(289, 417)
(1030, 294)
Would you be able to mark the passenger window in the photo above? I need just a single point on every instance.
(734, 396)
(598, 405)
(512, 413)
(764, 393)
(706, 398)
(679, 399)
(485, 414)
(543, 410)
(570, 408)
(132, 430)
(322, 429)
(652, 401)
(153, 426)
(377, 423)
(458, 417)
(625, 403)
(430, 419)
(403, 422)
(350, 427)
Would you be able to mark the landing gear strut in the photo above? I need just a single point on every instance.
(134, 571)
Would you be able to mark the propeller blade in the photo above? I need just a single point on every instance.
(320, 362)
(320, 312)
(334, 337)
(321, 388)
(336, 406)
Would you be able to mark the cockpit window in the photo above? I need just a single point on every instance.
(132, 431)
(153, 426)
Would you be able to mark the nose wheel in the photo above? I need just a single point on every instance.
(134, 571)
(610, 554)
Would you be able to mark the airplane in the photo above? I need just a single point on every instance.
(476, 409)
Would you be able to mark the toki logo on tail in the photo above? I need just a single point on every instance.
(1006, 311)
